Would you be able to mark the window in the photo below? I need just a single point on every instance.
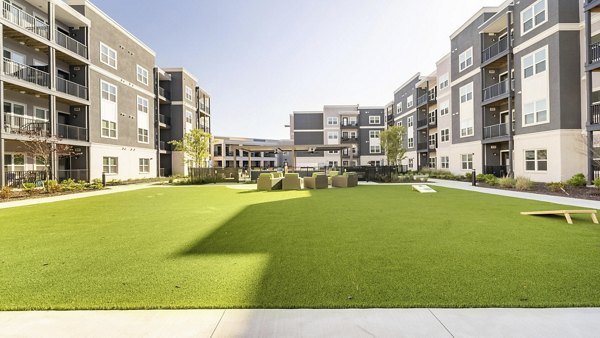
(534, 63)
(110, 165)
(142, 75)
(374, 133)
(143, 135)
(432, 163)
(14, 162)
(445, 135)
(142, 105)
(39, 164)
(411, 142)
(108, 110)
(399, 123)
(536, 160)
(333, 136)
(108, 55)
(189, 117)
(467, 161)
(432, 140)
(444, 109)
(533, 16)
(410, 102)
(535, 112)
(189, 94)
(467, 130)
(409, 121)
(109, 92)
(144, 165)
(332, 121)
(444, 81)
(374, 119)
(411, 163)
(109, 129)
(399, 108)
(466, 59)
(445, 162)
(466, 93)
(143, 120)
(375, 149)
(333, 152)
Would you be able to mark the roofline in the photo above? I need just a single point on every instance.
(372, 107)
(250, 139)
(444, 58)
(112, 21)
(473, 18)
(180, 69)
(407, 82)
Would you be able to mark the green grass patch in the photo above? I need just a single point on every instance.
(371, 246)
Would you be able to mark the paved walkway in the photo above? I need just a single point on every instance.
(305, 323)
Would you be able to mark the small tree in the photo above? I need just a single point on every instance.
(44, 148)
(392, 143)
(196, 146)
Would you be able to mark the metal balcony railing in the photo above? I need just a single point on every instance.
(494, 50)
(26, 73)
(68, 132)
(25, 125)
(422, 100)
(422, 123)
(164, 119)
(24, 20)
(595, 52)
(71, 88)
(71, 44)
(496, 90)
(15, 179)
(595, 110)
(349, 124)
(497, 130)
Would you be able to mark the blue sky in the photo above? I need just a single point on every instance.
(262, 59)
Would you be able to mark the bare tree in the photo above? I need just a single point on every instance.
(43, 148)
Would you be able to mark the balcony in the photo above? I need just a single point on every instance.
(164, 146)
(433, 145)
(496, 91)
(162, 92)
(497, 130)
(71, 44)
(349, 140)
(494, 50)
(349, 125)
(26, 73)
(591, 4)
(432, 121)
(422, 100)
(25, 125)
(162, 119)
(594, 53)
(422, 146)
(24, 20)
(15, 179)
(72, 132)
(71, 88)
(422, 123)
(74, 174)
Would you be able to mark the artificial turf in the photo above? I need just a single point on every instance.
(371, 246)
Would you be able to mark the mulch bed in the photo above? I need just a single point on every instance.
(573, 192)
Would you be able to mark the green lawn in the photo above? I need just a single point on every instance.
(214, 247)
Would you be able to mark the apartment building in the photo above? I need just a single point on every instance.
(356, 129)
(226, 153)
(182, 106)
(73, 75)
(590, 51)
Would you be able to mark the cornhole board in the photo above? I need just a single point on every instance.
(422, 188)
(566, 213)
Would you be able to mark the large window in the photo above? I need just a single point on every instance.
(534, 63)
(536, 160)
(332, 136)
(108, 55)
(466, 59)
(14, 162)
(411, 142)
(109, 129)
(467, 161)
(110, 165)
(410, 102)
(109, 92)
(445, 162)
(533, 16)
(143, 120)
(375, 149)
(189, 116)
(108, 110)
(445, 135)
(142, 75)
(144, 165)
(444, 109)
(409, 121)
(374, 119)
(444, 81)
(374, 133)
(332, 121)
(399, 108)
(189, 94)
(535, 112)
(466, 93)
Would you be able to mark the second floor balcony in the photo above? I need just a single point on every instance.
(422, 123)
(498, 48)
(350, 124)
(421, 100)
(495, 91)
(26, 73)
(595, 114)
(25, 125)
(165, 120)
(69, 132)
(71, 88)
(71, 44)
(497, 130)
(349, 139)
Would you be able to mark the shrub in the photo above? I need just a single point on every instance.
(507, 182)
(6, 193)
(523, 184)
(556, 186)
(29, 188)
(96, 185)
(578, 180)
(480, 178)
(597, 183)
(468, 176)
(68, 185)
(51, 186)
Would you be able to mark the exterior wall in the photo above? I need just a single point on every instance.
(466, 148)
(128, 164)
(401, 96)
(365, 141)
(444, 100)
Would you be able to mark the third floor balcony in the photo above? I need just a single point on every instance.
(497, 49)
(26, 73)
(495, 92)
(71, 44)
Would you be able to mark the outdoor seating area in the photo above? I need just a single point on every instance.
(293, 181)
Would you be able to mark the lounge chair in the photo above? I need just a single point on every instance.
(267, 182)
(332, 174)
(317, 181)
(292, 182)
(348, 180)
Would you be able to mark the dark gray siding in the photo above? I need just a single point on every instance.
(363, 133)
(308, 122)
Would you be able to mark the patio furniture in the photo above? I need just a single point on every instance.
(348, 180)
(332, 174)
(292, 182)
(566, 213)
(316, 181)
(267, 182)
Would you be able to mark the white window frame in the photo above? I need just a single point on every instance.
(144, 165)
(444, 109)
(189, 93)
(466, 93)
(409, 122)
(444, 81)
(531, 9)
(411, 142)
(536, 160)
(466, 161)
(189, 117)
(536, 110)
(112, 97)
(399, 108)
(333, 121)
(445, 135)
(108, 56)
(11, 166)
(534, 63)
(374, 119)
(375, 149)
(465, 59)
(331, 134)
(143, 107)
(410, 101)
(374, 134)
(110, 165)
(445, 162)
(142, 74)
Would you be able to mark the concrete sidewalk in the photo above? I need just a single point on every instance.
(306, 323)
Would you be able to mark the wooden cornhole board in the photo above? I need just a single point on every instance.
(566, 213)
(422, 188)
